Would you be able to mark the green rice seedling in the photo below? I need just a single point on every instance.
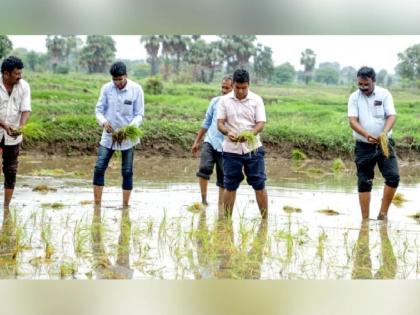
(68, 268)
(338, 165)
(398, 199)
(46, 238)
(383, 143)
(80, 239)
(249, 137)
(322, 237)
(129, 132)
(55, 205)
(196, 207)
(290, 209)
(328, 212)
(298, 155)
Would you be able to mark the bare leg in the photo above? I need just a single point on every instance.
(126, 197)
(221, 197)
(262, 201)
(97, 194)
(364, 200)
(230, 196)
(389, 193)
(203, 188)
(8, 194)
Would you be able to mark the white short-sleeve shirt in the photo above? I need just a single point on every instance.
(371, 111)
(12, 106)
(240, 115)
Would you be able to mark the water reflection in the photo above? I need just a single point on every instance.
(102, 264)
(8, 247)
(219, 257)
(362, 267)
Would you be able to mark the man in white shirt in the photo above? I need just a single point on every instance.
(371, 111)
(15, 105)
(242, 110)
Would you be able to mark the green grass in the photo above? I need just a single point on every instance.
(307, 117)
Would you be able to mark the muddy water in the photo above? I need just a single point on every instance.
(58, 234)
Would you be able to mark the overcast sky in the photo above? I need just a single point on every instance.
(379, 52)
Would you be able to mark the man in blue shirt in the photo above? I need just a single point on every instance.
(211, 152)
(121, 103)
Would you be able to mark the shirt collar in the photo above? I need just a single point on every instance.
(249, 96)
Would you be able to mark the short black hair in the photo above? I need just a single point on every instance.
(367, 72)
(118, 69)
(241, 76)
(10, 63)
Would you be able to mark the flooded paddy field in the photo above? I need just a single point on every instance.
(314, 229)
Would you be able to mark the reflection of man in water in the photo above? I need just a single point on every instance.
(362, 268)
(219, 257)
(211, 151)
(121, 269)
(8, 247)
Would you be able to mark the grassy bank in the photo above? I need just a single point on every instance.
(311, 118)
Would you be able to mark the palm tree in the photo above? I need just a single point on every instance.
(308, 60)
(152, 45)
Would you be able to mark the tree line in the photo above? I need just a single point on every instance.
(184, 58)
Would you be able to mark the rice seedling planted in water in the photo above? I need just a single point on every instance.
(289, 209)
(298, 155)
(338, 165)
(383, 143)
(398, 199)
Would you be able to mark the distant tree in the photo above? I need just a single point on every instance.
(205, 59)
(409, 65)
(98, 53)
(348, 75)
(382, 77)
(285, 73)
(56, 47)
(328, 73)
(179, 48)
(72, 51)
(238, 49)
(152, 45)
(263, 63)
(308, 60)
(36, 61)
(167, 52)
(5, 46)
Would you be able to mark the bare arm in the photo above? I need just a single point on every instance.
(258, 127)
(23, 119)
(389, 123)
(196, 145)
(356, 126)
(225, 131)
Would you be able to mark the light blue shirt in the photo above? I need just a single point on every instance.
(213, 135)
(120, 108)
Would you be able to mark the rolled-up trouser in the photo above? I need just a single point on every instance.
(10, 163)
(104, 155)
(367, 156)
(210, 157)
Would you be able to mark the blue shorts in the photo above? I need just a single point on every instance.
(252, 164)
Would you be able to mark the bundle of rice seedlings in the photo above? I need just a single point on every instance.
(14, 132)
(290, 209)
(126, 133)
(383, 143)
(398, 199)
(248, 137)
(196, 207)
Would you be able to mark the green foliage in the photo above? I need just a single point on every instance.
(98, 53)
(154, 86)
(338, 165)
(308, 60)
(298, 155)
(285, 73)
(409, 65)
(327, 73)
(5, 46)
